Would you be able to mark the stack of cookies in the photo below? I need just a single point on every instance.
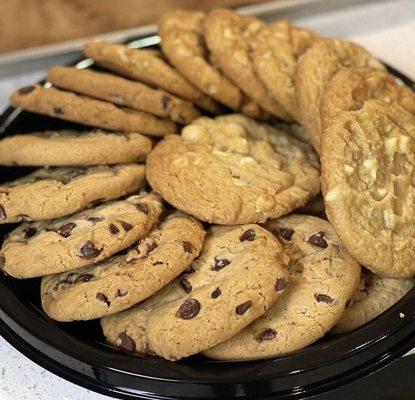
(283, 211)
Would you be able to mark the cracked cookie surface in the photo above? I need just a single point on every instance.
(373, 296)
(85, 110)
(368, 186)
(123, 92)
(73, 148)
(234, 170)
(322, 278)
(124, 280)
(238, 276)
(48, 247)
(315, 70)
(231, 37)
(55, 192)
(279, 48)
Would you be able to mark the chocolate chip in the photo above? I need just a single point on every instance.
(113, 229)
(83, 278)
(248, 235)
(66, 230)
(220, 263)
(158, 263)
(186, 285)
(216, 293)
(281, 284)
(58, 111)
(188, 248)
(165, 100)
(27, 89)
(29, 232)
(122, 292)
(189, 270)
(127, 227)
(323, 298)
(189, 309)
(94, 220)
(88, 250)
(63, 282)
(131, 261)
(102, 297)
(285, 233)
(2, 262)
(3, 214)
(150, 248)
(266, 334)
(318, 240)
(142, 207)
(125, 342)
(243, 308)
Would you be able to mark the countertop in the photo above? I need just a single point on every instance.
(386, 28)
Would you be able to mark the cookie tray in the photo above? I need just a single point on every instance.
(78, 353)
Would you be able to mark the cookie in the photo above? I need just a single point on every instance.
(183, 44)
(233, 170)
(373, 296)
(85, 110)
(124, 280)
(279, 47)
(238, 276)
(123, 92)
(49, 247)
(148, 67)
(350, 88)
(322, 278)
(368, 170)
(315, 70)
(56, 192)
(230, 38)
(68, 147)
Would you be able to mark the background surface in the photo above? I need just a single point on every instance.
(387, 29)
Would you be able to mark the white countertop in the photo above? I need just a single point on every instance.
(387, 28)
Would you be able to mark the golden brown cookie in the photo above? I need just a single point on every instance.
(315, 70)
(231, 37)
(85, 110)
(368, 175)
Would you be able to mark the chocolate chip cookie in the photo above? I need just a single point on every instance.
(231, 37)
(315, 70)
(368, 175)
(279, 48)
(322, 278)
(148, 67)
(350, 88)
(48, 247)
(55, 192)
(234, 170)
(238, 276)
(85, 110)
(124, 280)
(123, 92)
(373, 296)
(73, 148)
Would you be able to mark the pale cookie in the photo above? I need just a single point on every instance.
(124, 280)
(238, 276)
(123, 92)
(368, 175)
(373, 296)
(315, 70)
(231, 37)
(279, 48)
(322, 278)
(148, 67)
(68, 147)
(233, 170)
(52, 193)
(85, 110)
(49, 247)
(183, 43)
(350, 88)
